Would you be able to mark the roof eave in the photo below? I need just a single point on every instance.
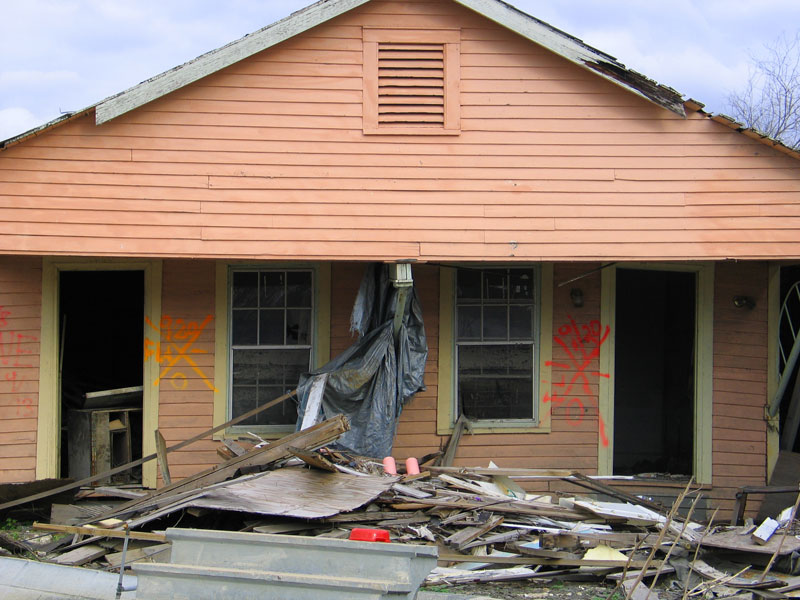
(218, 59)
(576, 51)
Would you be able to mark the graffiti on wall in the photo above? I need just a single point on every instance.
(174, 348)
(15, 355)
(581, 344)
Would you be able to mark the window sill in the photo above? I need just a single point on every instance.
(495, 427)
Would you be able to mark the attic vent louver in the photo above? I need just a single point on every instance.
(411, 84)
(412, 81)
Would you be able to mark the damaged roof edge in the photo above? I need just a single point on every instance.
(66, 117)
(213, 61)
(578, 52)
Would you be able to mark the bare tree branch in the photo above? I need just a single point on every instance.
(770, 100)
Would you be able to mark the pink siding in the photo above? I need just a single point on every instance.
(740, 380)
(186, 396)
(20, 328)
(267, 159)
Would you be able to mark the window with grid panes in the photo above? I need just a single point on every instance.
(271, 340)
(495, 348)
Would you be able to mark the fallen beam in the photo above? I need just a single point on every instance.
(144, 459)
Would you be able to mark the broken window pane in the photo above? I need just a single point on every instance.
(260, 376)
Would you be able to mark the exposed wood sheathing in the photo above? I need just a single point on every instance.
(267, 159)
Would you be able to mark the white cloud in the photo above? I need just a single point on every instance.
(16, 120)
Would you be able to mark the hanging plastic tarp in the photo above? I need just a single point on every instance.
(372, 380)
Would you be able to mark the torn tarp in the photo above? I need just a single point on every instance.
(372, 380)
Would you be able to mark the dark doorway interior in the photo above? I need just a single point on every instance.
(101, 316)
(654, 372)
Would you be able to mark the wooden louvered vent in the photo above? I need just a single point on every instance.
(411, 84)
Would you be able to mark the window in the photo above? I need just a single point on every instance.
(411, 81)
(271, 326)
(495, 350)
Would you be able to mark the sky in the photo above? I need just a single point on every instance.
(65, 55)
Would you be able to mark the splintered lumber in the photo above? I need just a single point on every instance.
(315, 436)
(313, 459)
(150, 553)
(98, 531)
(464, 536)
(452, 444)
(161, 454)
(140, 461)
(534, 560)
(81, 556)
(508, 472)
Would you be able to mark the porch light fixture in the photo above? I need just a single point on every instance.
(744, 302)
(576, 295)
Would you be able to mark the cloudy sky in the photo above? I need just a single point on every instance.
(65, 55)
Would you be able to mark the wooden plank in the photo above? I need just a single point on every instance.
(149, 553)
(532, 560)
(81, 556)
(99, 532)
(318, 435)
(161, 454)
(144, 459)
(452, 444)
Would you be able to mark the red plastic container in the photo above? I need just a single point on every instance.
(369, 535)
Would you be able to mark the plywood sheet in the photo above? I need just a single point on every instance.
(297, 492)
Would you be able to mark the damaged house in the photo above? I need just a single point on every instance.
(599, 265)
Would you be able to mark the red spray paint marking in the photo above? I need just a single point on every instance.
(582, 346)
(11, 351)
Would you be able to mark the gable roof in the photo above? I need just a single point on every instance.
(498, 11)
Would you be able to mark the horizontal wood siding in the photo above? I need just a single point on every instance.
(268, 159)
(740, 381)
(186, 343)
(20, 328)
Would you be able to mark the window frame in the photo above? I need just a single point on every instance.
(319, 330)
(447, 405)
(450, 39)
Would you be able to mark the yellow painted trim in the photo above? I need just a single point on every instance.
(221, 357)
(608, 287)
(48, 447)
(773, 323)
(445, 405)
(704, 348)
(322, 305)
(321, 352)
(545, 347)
(48, 459)
(445, 409)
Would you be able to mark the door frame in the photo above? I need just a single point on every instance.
(48, 439)
(703, 368)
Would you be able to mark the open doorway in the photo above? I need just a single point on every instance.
(101, 319)
(654, 366)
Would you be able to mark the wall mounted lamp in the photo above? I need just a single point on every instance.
(576, 296)
(744, 302)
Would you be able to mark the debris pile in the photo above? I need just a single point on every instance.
(486, 527)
